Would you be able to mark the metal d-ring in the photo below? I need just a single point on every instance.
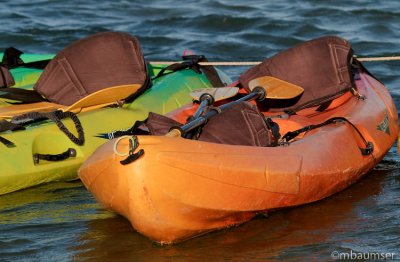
(132, 145)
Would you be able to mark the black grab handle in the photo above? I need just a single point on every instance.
(71, 152)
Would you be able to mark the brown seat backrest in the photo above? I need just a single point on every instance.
(321, 66)
(92, 64)
(241, 124)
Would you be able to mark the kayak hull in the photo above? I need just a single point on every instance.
(182, 188)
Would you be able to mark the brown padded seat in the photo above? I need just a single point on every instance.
(321, 66)
(91, 64)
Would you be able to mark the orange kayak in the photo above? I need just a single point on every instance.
(181, 188)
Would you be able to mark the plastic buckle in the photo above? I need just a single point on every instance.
(283, 142)
(368, 150)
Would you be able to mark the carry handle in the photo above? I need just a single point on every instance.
(71, 152)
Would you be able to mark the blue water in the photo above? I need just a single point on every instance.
(62, 222)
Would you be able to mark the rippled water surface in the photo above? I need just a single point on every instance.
(62, 222)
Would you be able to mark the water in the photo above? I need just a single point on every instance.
(62, 222)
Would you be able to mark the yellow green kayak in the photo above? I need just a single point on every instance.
(22, 168)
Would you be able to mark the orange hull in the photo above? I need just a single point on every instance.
(182, 188)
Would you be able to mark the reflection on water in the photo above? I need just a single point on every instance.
(61, 200)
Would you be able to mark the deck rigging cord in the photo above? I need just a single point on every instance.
(252, 63)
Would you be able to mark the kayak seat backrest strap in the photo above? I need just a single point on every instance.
(12, 59)
(6, 77)
(321, 66)
(192, 62)
(91, 64)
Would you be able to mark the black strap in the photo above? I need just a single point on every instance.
(275, 130)
(134, 130)
(192, 62)
(3, 77)
(6, 142)
(41, 64)
(12, 59)
(293, 134)
(212, 74)
(9, 126)
(357, 67)
(56, 157)
(18, 123)
(369, 146)
(21, 95)
(146, 85)
(322, 102)
(56, 117)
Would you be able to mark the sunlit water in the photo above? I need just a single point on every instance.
(62, 222)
